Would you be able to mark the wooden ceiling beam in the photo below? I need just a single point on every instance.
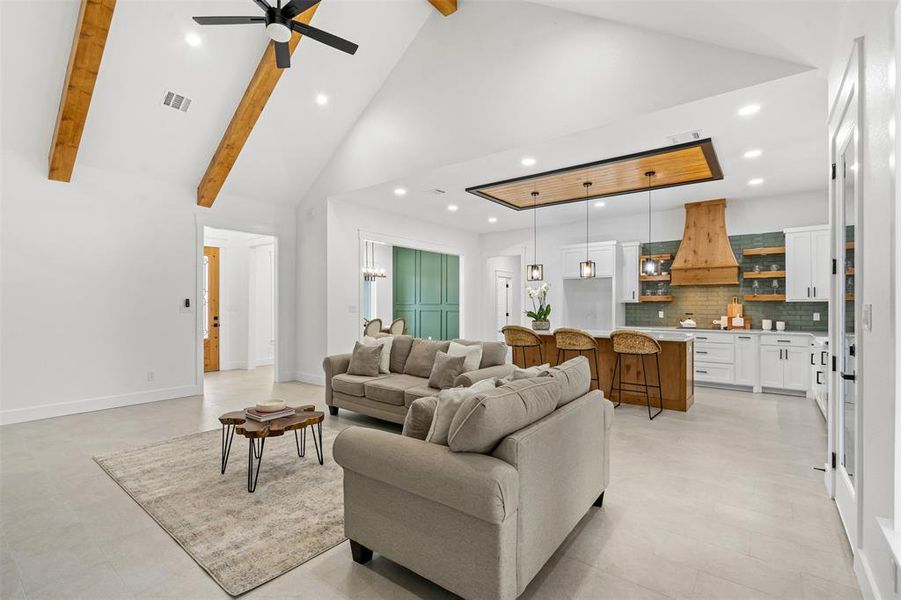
(445, 7)
(91, 29)
(245, 118)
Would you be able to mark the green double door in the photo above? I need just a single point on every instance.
(427, 293)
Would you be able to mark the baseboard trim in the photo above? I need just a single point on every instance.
(312, 378)
(59, 409)
(865, 580)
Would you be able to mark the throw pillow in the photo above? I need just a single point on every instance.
(472, 353)
(400, 350)
(365, 360)
(493, 353)
(483, 420)
(445, 370)
(574, 377)
(385, 342)
(422, 357)
(419, 418)
(448, 401)
(528, 373)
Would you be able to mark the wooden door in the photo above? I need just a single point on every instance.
(211, 309)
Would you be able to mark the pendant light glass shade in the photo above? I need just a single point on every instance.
(586, 267)
(535, 271)
(649, 266)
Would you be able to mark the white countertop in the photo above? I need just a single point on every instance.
(663, 335)
(732, 331)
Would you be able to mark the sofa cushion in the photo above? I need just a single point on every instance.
(449, 401)
(488, 417)
(421, 391)
(385, 357)
(472, 354)
(493, 353)
(574, 377)
(352, 385)
(400, 350)
(445, 370)
(419, 417)
(422, 357)
(365, 360)
(390, 389)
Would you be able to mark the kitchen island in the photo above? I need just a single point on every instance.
(676, 367)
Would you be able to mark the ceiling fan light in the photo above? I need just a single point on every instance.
(278, 32)
(535, 272)
(586, 269)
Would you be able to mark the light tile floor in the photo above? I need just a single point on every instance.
(721, 502)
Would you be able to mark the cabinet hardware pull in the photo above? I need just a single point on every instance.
(818, 378)
(744, 337)
(814, 291)
(780, 353)
(700, 337)
(784, 341)
(823, 356)
(700, 371)
(811, 360)
(851, 377)
(808, 292)
(701, 351)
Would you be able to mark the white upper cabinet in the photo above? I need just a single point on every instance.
(602, 253)
(629, 289)
(808, 262)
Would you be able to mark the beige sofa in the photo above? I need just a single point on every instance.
(388, 396)
(478, 524)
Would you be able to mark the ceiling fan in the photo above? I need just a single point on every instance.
(279, 25)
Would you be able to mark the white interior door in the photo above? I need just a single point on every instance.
(845, 402)
(504, 302)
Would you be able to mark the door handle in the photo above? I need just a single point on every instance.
(808, 292)
(215, 324)
(818, 378)
(851, 377)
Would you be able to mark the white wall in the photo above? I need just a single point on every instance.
(742, 217)
(245, 298)
(94, 275)
(874, 22)
(348, 224)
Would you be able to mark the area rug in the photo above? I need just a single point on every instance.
(242, 540)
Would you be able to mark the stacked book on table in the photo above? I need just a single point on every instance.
(258, 415)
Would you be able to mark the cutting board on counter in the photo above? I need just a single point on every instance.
(734, 308)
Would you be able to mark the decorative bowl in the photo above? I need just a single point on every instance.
(271, 405)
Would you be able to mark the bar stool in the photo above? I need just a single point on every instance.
(372, 327)
(522, 338)
(576, 340)
(635, 343)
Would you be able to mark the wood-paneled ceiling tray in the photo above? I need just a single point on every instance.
(682, 164)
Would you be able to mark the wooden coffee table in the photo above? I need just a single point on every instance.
(256, 433)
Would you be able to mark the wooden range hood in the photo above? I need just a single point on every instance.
(705, 256)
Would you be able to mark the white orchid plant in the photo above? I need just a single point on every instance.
(541, 310)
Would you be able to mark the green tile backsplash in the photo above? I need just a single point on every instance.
(709, 302)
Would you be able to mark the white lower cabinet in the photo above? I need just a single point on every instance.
(772, 370)
(785, 362)
(746, 360)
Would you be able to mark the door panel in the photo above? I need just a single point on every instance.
(797, 267)
(821, 269)
(745, 360)
(430, 324)
(603, 261)
(502, 306)
(211, 309)
(451, 325)
(430, 278)
(427, 292)
(771, 366)
(404, 274)
(451, 279)
(796, 369)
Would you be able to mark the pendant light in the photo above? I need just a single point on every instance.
(370, 271)
(586, 269)
(649, 265)
(535, 271)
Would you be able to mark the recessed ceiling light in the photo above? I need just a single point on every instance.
(600, 204)
(400, 191)
(321, 99)
(750, 109)
(755, 153)
(755, 181)
(452, 207)
(528, 161)
(492, 219)
(193, 39)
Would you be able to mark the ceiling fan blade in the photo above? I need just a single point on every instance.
(295, 7)
(282, 55)
(229, 20)
(263, 4)
(325, 37)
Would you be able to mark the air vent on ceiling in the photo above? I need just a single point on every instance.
(684, 138)
(176, 101)
(437, 191)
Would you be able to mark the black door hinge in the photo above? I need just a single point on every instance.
(833, 170)
(833, 364)
(834, 267)
(833, 460)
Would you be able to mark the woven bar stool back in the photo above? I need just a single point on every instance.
(576, 340)
(523, 338)
(635, 343)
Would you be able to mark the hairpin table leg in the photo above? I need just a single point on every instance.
(228, 434)
(319, 449)
(301, 442)
(251, 455)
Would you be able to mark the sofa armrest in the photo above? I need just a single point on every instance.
(476, 484)
(471, 377)
(333, 365)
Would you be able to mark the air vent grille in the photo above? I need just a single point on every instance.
(176, 101)
(684, 138)
(437, 191)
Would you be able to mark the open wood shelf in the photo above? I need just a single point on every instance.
(763, 275)
(654, 277)
(656, 257)
(655, 299)
(764, 297)
(849, 270)
(849, 296)
(767, 251)
(849, 245)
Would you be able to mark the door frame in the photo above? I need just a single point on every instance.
(217, 252)
(200, 223)
(847, 107)
(509, 275)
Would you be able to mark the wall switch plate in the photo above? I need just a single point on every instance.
(867, 317)
(150, 376)
(659, 314)
(816, 316)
